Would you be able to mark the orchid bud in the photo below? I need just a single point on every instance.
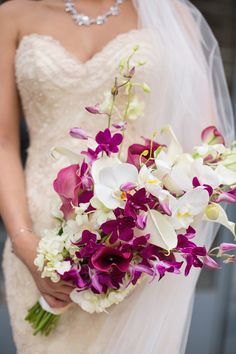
(78, 133)
(93, 109)
(212, 212)
(136, 48)
(121, 125)
(146, 88)
(122, 64)
(224, 247)
(141, 62)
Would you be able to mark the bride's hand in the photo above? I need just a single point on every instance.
(56, 294)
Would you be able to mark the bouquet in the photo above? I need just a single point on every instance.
(120, 222)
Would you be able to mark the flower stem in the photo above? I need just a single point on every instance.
(42, 322)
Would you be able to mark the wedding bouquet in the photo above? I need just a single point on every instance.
(120, 222)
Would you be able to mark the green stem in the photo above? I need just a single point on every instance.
(42, 322)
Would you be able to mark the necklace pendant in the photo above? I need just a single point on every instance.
(114, 10)
(100, 20)
(84, 20)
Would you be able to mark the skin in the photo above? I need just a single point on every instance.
(17, 18)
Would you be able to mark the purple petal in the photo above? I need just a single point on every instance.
(141, 221)
(210, 262)
(227, 247)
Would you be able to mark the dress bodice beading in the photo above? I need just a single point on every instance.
(54, 87)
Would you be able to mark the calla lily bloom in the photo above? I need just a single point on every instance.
(211, 136)
(67, 186)
(161, 230)
(107, 257)
(215, 213)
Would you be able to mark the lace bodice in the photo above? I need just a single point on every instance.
(55, 87)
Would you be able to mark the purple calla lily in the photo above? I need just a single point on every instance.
(107, 257)
(211, 136)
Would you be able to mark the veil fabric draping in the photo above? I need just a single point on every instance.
(189, 91)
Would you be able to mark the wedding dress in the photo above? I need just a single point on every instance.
(54, 87)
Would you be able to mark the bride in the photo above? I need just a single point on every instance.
(53, 67)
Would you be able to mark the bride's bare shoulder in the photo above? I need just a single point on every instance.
(15, 8)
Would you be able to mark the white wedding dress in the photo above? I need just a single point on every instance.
(55, 87)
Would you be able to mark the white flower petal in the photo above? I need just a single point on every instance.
(222, 219)
(161, 230)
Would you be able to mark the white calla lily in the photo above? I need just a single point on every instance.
(220, 217)
(161, 230)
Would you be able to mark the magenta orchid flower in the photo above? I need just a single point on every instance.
(107, 142)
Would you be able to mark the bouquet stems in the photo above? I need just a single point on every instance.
(42, 322)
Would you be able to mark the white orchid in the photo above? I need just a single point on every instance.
(186, 208)
(205, 150)
(108, 181)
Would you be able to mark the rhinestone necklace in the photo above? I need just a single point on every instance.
(84, 20)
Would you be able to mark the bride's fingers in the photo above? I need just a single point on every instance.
(68, 283)
(62, 296)
(66, 290)
(54, 302)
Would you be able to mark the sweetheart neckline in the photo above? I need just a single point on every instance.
(72, 56)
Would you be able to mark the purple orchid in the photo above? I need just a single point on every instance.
(107, 142)
(227, 196)
(196, 184)
(191, 252)
(120, 228)
(136, 202)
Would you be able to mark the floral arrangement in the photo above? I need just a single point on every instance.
(121, 222)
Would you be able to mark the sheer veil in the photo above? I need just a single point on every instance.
(189, 91)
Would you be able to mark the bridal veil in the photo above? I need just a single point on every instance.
(189, 91)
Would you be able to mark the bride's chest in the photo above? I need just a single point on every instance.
(45, 66)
